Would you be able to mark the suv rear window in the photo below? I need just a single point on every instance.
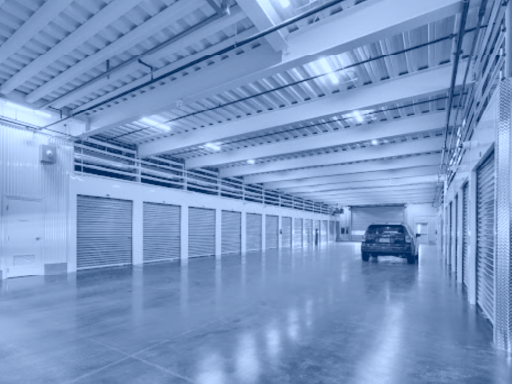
(386, 230)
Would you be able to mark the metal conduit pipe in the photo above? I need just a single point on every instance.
(223, 51)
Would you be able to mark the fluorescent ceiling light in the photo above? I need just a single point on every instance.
(326, 67)
(357, 116)
(285, 3)
(27, 109)
(154, 123)
(375, 142)
(215, 147)
(251, 162)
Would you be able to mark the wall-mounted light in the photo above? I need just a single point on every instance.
(154, 123)
(212, 146)
(251, 162)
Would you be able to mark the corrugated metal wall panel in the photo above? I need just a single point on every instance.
(271, 231)
(104, 232)
(465, 234)
(308, 231)
(22, 174)
(162, 232)
(455, 231)
(231, 232)
(201, 232)
(298, 232)
(254, 231)
(287, 232)
(450, 228)
(332, 231)
(485, 237)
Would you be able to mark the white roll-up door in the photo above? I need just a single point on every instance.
(455, 233)
(308, 231)
(324, 231)
(271, 231)
(363, 217)
(231, 232)
(201, 232)
(161, 226)
(104, 232)
(485, 237)
(297, 234)
(465, 234)
(287, 232)
(450, 228)
(254, 231)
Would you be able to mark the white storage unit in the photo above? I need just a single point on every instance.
(362, 217)
(104, 232)
(308, 231)
(162, 232)
(485, 237)
(324, 231)
(254, 232)
(297, 233)
(287, 232)
(271, 231)
(231, 232)
(465, 234)
(201, 232)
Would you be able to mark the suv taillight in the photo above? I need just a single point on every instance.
(364, 237)
(408, 238)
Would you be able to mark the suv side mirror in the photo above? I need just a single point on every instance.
(418, 234)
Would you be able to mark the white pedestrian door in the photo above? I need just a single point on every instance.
(25, 229)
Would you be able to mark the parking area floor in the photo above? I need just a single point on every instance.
(317, 315)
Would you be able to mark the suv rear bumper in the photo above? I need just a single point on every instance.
(379, 249)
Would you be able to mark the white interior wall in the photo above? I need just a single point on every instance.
(140, 193)
(422, 213)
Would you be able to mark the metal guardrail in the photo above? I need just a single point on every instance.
(107, 160)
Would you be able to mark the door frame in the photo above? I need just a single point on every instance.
(4, 223)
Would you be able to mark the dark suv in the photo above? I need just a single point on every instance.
(390, 239)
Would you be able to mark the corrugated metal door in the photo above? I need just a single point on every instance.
(254, 229)
(104, 232)
(297, 234)
(271, 231)
(161, 223)
(362, 217)
(455, 233)
(450, 235)
(201, 232)
(465, 234)
(231, 232)
(308, 231)
(324, 231)
(287, 232)
(332, 231)
(485, 237)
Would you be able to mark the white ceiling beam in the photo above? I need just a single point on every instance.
(346, 30)
(263, 16)
(48, 11)
(348, 185)
(194, 84)
(415, 188)
(420, 84)
(373, 200)
(334, 170)
(364, 154)
(362, 133)
(176, 46)
(144, 31)
(391, 174)
(91, 27)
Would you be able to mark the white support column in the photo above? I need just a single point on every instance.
(460, 235)
(472, 239)
(218, 233)
(263, 232)
(137, 232)
(244, 232)
(184, 234)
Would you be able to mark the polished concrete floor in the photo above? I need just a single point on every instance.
(307, 316)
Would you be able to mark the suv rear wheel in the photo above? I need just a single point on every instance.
(411, 258)
(365, 256)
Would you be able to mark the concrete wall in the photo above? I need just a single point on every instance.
(140, 193)
(422, 213)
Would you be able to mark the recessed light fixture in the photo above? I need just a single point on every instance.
(326, 67)
(285, 3)
(357, 116)
(251, 162)
(27, 109)
(154, 123)
(375, 142)
(215, 147)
